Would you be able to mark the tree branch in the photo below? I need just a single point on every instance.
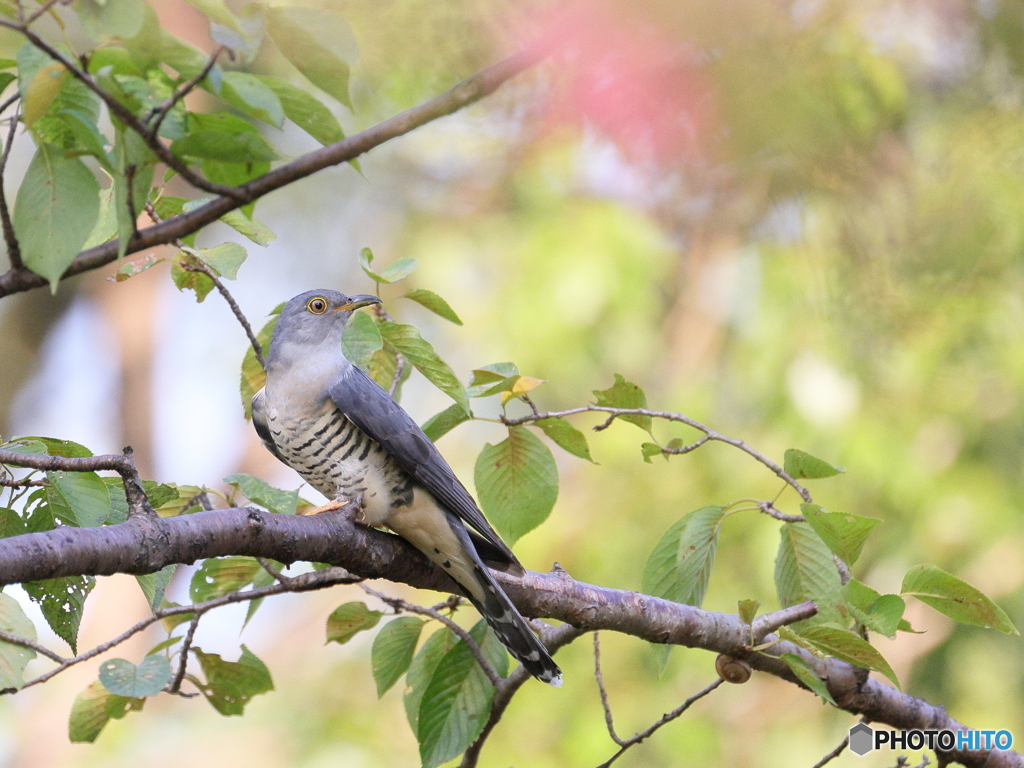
(467, 92)
(10, 239)
(145, 544)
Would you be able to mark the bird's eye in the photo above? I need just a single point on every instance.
(317, 306)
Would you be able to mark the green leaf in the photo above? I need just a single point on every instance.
(14, 658)
(231, 684)
(955, 598)
(361, 339)
(217, 10)
(224, 137)
(133, 176)
(407, 340)
(391, 273)
(679, 568)
(11, 523)
(245, 43)
(225, 259)
(137, 681)
(649, 450)
(94, 708)
(434, 303)
(262, 579)
(748, 610)
(566, 436)
(625, 394)
(221, 575)
(849, 647)
(306, 111)
(799, 464)
(253, 97)
(393, 649)
(83, 494)
(517, 483)
(804, 570)
(421, 672)
(457, 701)
(132, 268)
(256, 231)
(808, 676)
(258, 491)
(843, 533)
(163, 645)
(348, 620)
(62, 601)
(444, 422)
(51, 446)
(42, 89)
(292, 30)
(111, 18)
(154, 585)
(55, 211)
(253, 376)
(174, 619)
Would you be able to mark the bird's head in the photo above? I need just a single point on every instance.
(316, 317)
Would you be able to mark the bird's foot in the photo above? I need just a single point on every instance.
(330, 506)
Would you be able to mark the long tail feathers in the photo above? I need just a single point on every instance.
(513, 631)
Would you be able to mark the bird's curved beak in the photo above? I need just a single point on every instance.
(362, 300)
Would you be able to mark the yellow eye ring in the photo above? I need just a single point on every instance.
(317, 306)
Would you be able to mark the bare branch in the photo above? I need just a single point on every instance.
(604, 693)
(175, 685)
(768, 508)
(709, 434)
(161, 111)
(21, 483)
(26, 643)
(666, 718)
(467, 92)
(769, 622)
(45, 7)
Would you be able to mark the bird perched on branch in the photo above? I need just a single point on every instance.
(347, 437)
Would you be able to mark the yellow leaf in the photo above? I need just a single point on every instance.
(522, 385)
(42, 91)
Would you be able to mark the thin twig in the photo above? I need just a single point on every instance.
(604, 693)
(401, 605)
(834, 753)
(678, 417)
(21, 483)
(10, 238)
(175, 685)
(666, 718)
(40, 11)
(160, 111)
(42, 649)
(768, 508)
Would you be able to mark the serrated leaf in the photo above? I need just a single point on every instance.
(84, 494)
(225, 259)
(444, 422)
(256, 231)
(361, 339)
(567, 437)
(174, 619)
(11, 523)
(14, 658)
(154, 585)
(299, 44)
(348, 620)
(804, 570)
(94, 708)
(801, 465)
(625, 394)
(748, 610)
(306, 111)
(231, 684)
(252, 96)
(955, 598)
(55, 210)
(220, 575)
(849, 647)
(434, 303)
(879, 613)
(223, 137)
(843, 533)
(260, 492)
(393, 649)
(253, 377)
(407, 340)
(808, 676)
(62, 601)
(188, 279)
(421, 671)
(680, 566)
(516, 483)
(147, 678)
(457, 701)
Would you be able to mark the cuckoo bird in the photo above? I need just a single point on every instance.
(348, 438)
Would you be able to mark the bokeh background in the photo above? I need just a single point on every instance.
(801, 222)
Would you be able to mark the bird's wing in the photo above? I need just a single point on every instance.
(259, 421)
(374, 411)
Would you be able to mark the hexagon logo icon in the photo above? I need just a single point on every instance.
(862, 739)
